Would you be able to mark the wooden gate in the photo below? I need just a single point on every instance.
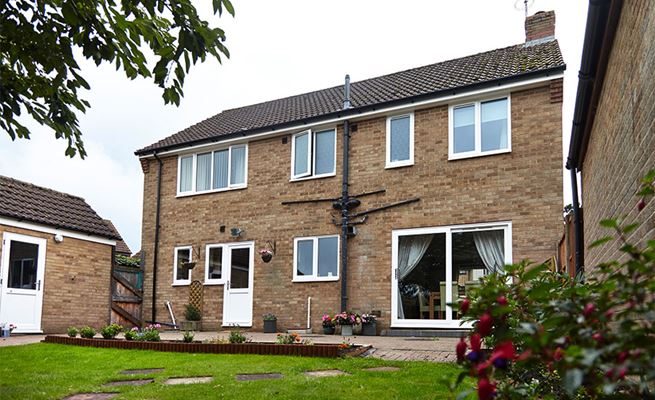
(126, 295)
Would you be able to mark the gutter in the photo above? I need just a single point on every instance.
(602, 20)
(354, 112)
(156, 249)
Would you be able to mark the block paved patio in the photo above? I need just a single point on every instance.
(384, 347)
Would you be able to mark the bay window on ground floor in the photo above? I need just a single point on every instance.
(432, 267)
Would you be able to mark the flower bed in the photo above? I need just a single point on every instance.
(316, 350)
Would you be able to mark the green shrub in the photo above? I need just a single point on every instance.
(237, 337)
(270, 317)
(72, 331)
(549, 336)
(289, 338)
(187, 337)
(87, 332)
(150, 333)
(192, 313)
(127, 261)
(111, 331)
(132, 334)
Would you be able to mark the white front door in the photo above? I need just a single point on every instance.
(21, 281)
(238, 274)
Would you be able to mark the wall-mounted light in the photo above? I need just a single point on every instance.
(59, 238)
(236, 232)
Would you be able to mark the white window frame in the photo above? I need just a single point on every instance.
(194, 168)
(223, 248)
(448, 322)
(181, 282)
(402, 163)
(477, 152)
(311, 155)
(314, 276)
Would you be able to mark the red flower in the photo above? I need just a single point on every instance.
(486, 389)
(622, 372)
(504, 350)
(485, 324)
(559, 353)
(588, 310)
(476, 342)
(460, 349)
(597, 337)
(464, 306)
(501, 300)
(525, 355)
(622, 356)
(641, 205)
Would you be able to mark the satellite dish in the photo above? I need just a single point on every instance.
(526, 4)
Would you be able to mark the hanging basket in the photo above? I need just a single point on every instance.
(267, 257)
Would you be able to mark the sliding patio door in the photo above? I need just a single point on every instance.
(432, 267)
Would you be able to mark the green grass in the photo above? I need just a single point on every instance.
(49, 371)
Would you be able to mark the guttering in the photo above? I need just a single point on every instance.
(602, 20)
(378, 108)
(156, 249)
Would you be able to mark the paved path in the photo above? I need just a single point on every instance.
(384, 347)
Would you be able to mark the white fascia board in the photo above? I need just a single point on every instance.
(407, 107)
(55, 231)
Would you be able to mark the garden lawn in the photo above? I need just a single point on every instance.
(50, 371)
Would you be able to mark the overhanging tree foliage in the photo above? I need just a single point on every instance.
(38, 71)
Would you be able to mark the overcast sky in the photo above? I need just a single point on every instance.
(278, 48)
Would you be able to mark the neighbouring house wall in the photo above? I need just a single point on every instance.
(76, 282)
(622, 145)
(523, 186)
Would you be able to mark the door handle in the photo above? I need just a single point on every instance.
(228, 284)
(38, 284)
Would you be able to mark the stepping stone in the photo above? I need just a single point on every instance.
(258, 377)
(188, 380)
(91, 396)
(383, 369)
(325, 373)
(141, 371)
(135, 382)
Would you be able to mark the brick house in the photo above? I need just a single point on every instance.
(56, 260)
(392, 195)
(613, 137)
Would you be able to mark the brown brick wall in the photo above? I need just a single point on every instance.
(540, 25)
(622, 145)
(76, 286)
(523, 186)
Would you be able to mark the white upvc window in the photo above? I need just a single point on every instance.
(316, 258)
(313, 154)
(181, 272)
(213, 171)
(479, 128)
(400, 140)
(214, 254)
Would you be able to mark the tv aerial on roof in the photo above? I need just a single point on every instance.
(526, 4)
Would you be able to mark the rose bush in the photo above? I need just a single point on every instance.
(540, 334)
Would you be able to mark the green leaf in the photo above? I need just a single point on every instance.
(533, 272)
(609, 223)
(601, 241)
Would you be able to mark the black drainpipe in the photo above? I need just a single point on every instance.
(577, 226)
(344, 201)
(156, 250)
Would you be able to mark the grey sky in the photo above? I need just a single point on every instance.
(278, 48)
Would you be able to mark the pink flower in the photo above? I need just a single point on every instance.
(476, 342)
(486, 389)
(641, 205)
(485, 324)
(588, 310)
(460, 350)
(464, 306)
(501, 300)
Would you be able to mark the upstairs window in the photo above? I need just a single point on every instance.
(480, 128)
(400, 141)
(213, 171)
(316, 258)
(313, 154)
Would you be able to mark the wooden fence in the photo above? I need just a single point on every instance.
(126, 295)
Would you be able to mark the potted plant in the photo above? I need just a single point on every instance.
(6, 329)
(193, 316)
(346, 320)
(328, 324)
(266, 254)
(369, 325)
(270, 323)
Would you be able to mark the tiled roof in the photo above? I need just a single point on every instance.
(121, 246)
(30, 203)
(515, 62)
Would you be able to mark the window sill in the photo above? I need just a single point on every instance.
(181, 284)
(326, 279)
(216, 283)
(307, 178)
(399, 164)
(452, 157)
(211, 191)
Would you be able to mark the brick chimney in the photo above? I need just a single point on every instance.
(540, 26)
